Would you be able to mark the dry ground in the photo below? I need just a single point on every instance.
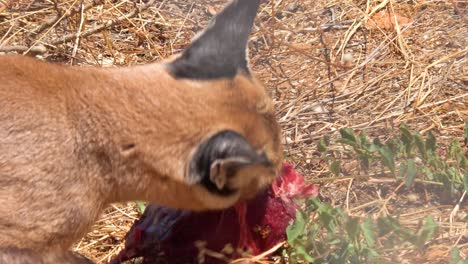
(327, 65)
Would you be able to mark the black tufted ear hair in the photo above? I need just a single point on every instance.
(220, 158)
(219, 51)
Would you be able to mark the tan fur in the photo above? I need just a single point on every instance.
(74, 139)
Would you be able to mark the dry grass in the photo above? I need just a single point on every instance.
(328, 65)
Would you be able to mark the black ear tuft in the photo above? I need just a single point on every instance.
(219, 158)
(220, 51)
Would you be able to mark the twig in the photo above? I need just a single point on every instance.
(94, 242)
(374, 178)
(457, 9)
(257, 258)
(302, 52)
(39, 49)
(391, 196)
(455, 210)
(412, 110)
(327, 56)
(8, 32)
(357, 25)
(369, 58)
(347, 193)
(4, 5)
(403, 47)
(80, 27)
(101, 27)
(124, 213)
(57, 8)
(60, 16)
(180, 28)
(48, 30)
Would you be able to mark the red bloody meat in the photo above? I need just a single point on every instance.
(254, 226)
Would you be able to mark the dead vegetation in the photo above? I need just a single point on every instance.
(367, 65)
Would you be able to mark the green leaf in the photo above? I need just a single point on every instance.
(464, 161)
(328, 220)
(455, 178)
(374, 147)
(365, 160)
(418, 139)
(455, 257)
(335, 167)
(141, 206)
(367, 228)
(404, 130)
(322, 145)
(352, 227)
(406, 138)
(403, 168)
(347, 142)
(411, 169)
(301, 251)
(348, 133)
(456, 152)
(386, 225)
(428, 173)
(444, 177)
(395, 145)
(363, 139)
(388, 158)
(296, 229)
(313, 203)
(434, 160)
(431, 142)
(427, 231)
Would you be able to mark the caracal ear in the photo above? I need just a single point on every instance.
(220, 160)
(220, 51)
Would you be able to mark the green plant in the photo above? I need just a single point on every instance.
(322, 233)
(409, 156)
(455, 257)
(141, 206)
